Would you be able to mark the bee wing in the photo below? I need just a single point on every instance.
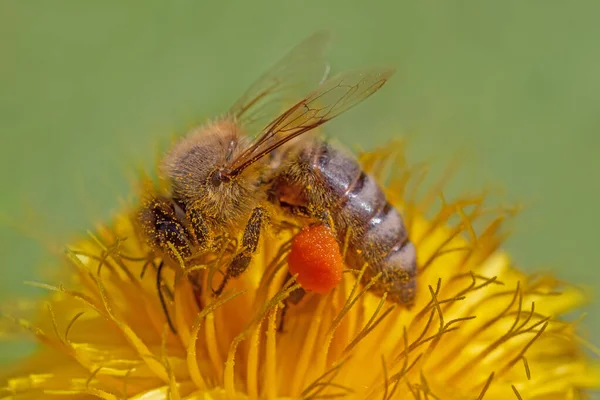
(304, 66)
(329, 100)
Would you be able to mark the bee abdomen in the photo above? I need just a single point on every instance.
(378, 234)
(355, 194)
(383, 242)
(401, 282)
(338, 171)
(363, 201)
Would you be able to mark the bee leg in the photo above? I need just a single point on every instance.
(324, 217)
(161, 222)
(170, 231)
(162, 226)
(294, 298)
(321, 217)
(199, 227)
(202, 238)
(161, 296)
(249, 244)
(195, 280)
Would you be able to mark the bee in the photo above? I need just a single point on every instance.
(222, 182)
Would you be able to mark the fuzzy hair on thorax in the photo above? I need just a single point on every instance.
(190, 163)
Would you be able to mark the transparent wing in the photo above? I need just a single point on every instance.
(303, 67)
(329, 100)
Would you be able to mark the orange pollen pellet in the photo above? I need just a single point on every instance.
(316, 258)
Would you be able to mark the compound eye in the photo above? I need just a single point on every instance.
(217, 177)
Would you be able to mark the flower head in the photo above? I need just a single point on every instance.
(479, 328)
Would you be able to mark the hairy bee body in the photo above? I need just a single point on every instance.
(197, 209)
(306, 179)
(316, 178)
(223, 182)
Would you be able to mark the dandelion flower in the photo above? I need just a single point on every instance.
(479, 328)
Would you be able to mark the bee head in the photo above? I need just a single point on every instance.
(196, 169)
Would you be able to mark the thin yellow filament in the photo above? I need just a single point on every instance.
(192, 359)
(306, 353)
(253, 363)
(270, 386)
(213, 346)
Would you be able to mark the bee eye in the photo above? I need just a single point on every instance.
(217, 177)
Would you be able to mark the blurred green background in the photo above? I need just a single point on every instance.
(88, 88)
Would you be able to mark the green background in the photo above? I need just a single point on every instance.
(88, 88)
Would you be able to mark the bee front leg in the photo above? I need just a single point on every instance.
(164, 230)
(199, 228)
(163, 227)
(202, 237)
(250, 240)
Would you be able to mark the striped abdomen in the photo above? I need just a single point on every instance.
(355, 201)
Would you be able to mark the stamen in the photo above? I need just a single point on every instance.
(322, 359)
(486, 386)
(516, 392)
(253, 363)
(192, 359)
(271, 357)
(212, 346)
(324, 380)
(526, 365)
(385, 378)
(306, 353)
(370, 325)
(521, 354)
(131, 336)
(71, 323)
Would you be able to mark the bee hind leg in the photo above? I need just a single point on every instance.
(294, 298)
(250, 240)
(320, 217)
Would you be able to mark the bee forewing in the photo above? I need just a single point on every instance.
(298, 72)
(331, 99)
(335, 96)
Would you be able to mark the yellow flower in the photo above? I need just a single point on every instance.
(480, 328)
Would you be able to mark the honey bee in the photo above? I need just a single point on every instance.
(223, 183)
